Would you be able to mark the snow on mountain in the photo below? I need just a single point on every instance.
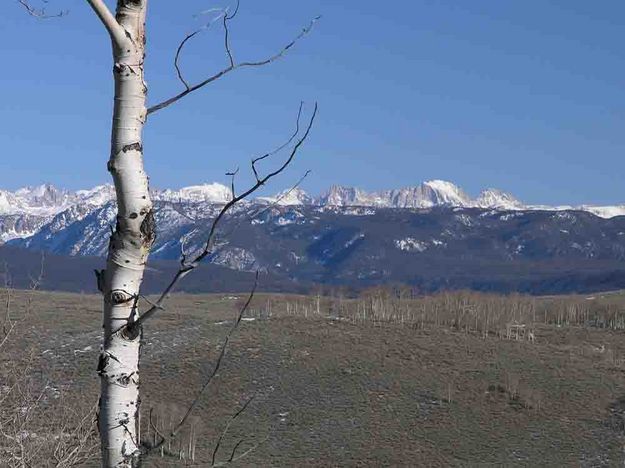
(425, 195)
(8, 203)
(44, 195)
(604, 211)
(44, 200)
(289, 197)
(19, 225)
(494, 198)
(441, 192)
(28, 210)
(339, 195)
(97, 196)
(47, 201)
(428, 194)
(212, 193)
(44, 211)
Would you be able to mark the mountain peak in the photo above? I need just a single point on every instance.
(442, 185)
(289, 197)
(340, 195)
(495, 198)
(212, 193)
(46, 200)
(445, 193)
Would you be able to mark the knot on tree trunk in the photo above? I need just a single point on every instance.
(131, 332)
(125, 379)
(119, 296)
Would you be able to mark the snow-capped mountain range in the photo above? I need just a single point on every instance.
(347, 235)
(46, 209)
(47, 200)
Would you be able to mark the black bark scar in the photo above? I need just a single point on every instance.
(148, 229)
(102, 363)
(137, 146)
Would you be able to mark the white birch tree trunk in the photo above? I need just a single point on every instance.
(131, 241)
(134, 234)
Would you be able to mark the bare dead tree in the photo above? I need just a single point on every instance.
(25, 409)
(9, 323)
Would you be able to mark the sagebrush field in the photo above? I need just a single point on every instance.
(458, 379)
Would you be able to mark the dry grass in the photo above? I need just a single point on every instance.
(40, 424)
(384, 379)
(505, 316)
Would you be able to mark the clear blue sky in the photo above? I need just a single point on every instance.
(527, 96)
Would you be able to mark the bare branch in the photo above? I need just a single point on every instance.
(184, 42)
(151, 303)
(232, 176)
(216, 368)
(227, 33)
(116, 31)
(40, 13)
(232, 65)
(255, 214)
(282, 196)
(177, 57)
(234, 449)
(234, 459)
(188, 266)
(282, 146)
(225, 431)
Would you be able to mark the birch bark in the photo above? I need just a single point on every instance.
(131, 241)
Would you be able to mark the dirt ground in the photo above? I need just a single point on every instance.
(334, 392)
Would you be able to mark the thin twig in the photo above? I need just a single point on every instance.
(227, 33)
(232, 175)
(40, 13)
(282, 196)
(184, 42)
(251, 215)
(282, 146)
(232, 66)
(189, 266)
(177, 57)
(234, 459)
(225, 431)
(216, 368)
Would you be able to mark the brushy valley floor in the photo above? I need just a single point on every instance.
(384, 380)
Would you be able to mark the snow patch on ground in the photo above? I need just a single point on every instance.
(410, 244)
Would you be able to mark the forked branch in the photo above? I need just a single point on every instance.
(187, 38)
(232, 65)
(233, 453)
(225, 431)
(188, 265)
(116, 31)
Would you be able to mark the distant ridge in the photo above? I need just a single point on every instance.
(431, 236)
(73, 274)
(47, 200)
